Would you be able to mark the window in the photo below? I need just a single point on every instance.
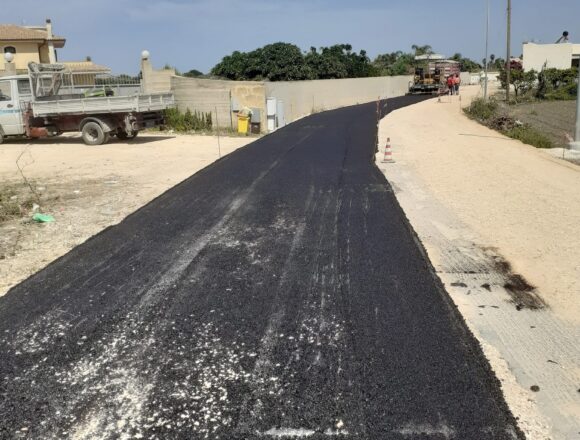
(24, 87)
(10, 49)
(5, 91)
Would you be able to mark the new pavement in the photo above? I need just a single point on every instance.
(278, 293)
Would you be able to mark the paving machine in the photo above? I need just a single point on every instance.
(430, 79)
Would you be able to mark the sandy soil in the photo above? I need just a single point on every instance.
(90, 188)
(522, 200)
(488, 210)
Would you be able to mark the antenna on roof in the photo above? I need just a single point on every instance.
(564, 38)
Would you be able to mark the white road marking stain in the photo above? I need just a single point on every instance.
(427, 429)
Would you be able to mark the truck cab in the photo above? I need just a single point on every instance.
(14, 94)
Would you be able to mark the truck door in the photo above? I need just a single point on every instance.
(10, 113)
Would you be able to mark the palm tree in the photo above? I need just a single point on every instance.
(422, 50)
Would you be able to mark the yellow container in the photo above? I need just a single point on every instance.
(243, 124)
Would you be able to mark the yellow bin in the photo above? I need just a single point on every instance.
(243, 124)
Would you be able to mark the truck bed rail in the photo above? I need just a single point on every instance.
(113, 104)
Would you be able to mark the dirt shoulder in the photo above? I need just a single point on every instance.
(88, 189)
(499, 220)
(520, 199)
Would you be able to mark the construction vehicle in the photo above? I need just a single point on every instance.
(430, 77)
(48, 102)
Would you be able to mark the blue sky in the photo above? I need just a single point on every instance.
(198, 33)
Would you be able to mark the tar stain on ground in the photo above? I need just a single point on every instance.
(279, 293)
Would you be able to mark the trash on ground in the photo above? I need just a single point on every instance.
(43, 218)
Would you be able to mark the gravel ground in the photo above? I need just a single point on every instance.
(88, 189)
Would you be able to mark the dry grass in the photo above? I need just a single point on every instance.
(14, 202)
(554, 119)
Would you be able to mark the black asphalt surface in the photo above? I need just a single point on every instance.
(279, 292)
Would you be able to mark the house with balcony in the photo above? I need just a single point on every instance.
(29, 44)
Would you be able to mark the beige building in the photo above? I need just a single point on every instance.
(558, 56)
(86, 72)
(29, 43)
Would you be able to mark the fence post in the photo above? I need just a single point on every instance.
(217, 124)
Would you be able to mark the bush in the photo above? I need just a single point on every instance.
(481, 109)
(557, 84)
(530, 136)
(487, 114)
(188, 121)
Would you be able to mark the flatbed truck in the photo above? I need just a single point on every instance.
(46, 103)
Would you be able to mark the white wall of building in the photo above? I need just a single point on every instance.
(558, 56)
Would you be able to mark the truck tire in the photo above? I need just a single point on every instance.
(93, 134)
(1, 137)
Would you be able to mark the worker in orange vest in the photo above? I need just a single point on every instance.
(451, 84)
(457, 83)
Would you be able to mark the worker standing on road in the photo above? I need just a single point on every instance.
(450, 84)
(457, 83)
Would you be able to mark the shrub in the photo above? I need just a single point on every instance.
(557, 84)
(487, 114)
(530, 136)
(188, 121)
(481, 109)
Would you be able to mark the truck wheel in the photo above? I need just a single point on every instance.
(93, 134)
(1, 137)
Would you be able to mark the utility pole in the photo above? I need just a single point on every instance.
(576, 144)
(509, 50)
(486, 53)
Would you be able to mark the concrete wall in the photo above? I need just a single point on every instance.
(301, 98)
(188, 95)
(155, 81)
(205, 94)
(25, 53)
(558, 56)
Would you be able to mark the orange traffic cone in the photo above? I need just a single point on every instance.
(388, 152)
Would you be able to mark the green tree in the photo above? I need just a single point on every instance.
(422, 50)
(557, 83)
(193, 73)
(274, 62)
(285, 62)
(467, 64)
(394, 63)
(521, 80)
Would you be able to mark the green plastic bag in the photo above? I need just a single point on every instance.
(43, 218)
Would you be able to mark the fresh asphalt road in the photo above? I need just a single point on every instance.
(278, 293)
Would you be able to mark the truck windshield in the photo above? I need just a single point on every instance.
(5, 92)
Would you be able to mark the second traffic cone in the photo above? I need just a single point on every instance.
(388, 152)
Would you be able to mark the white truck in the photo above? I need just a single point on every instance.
(47, 102)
